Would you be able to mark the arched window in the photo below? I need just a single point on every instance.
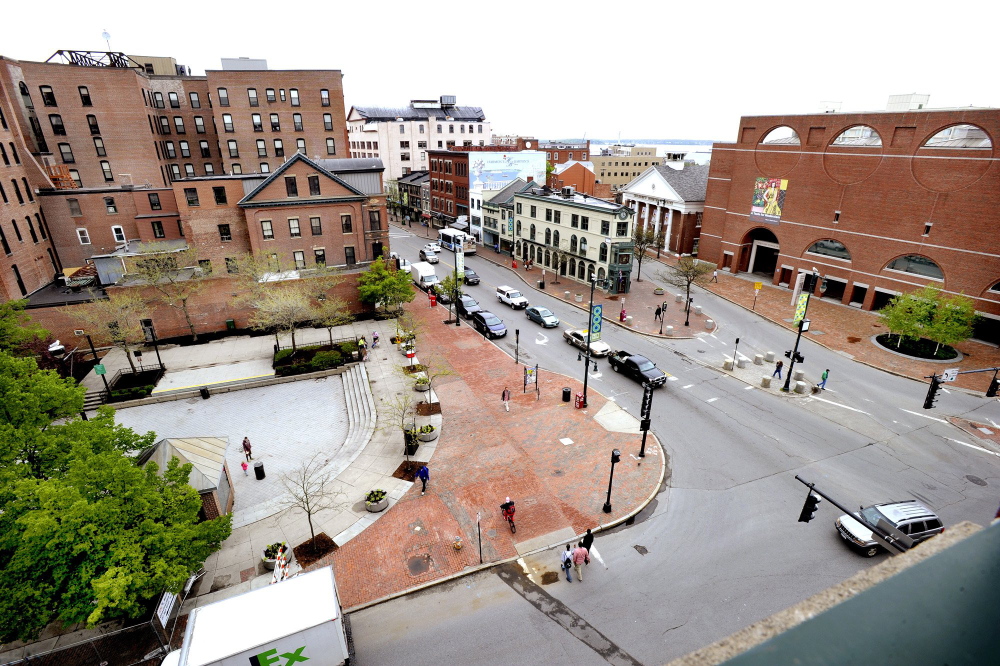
(572, 243)
(519, 227)
(916, 264)
(783, 135)
(583, 244)
(572, 266)
(548, 237)
(960, 137)
(830, 248)
(995, 288)
(600, 274)
(531, 232)
(590, 272)
(603, 256)
(580, 271)
(555, 238)
(548, 257)
(858, 136)
(531, 253)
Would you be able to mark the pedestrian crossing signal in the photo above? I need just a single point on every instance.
(809, 508)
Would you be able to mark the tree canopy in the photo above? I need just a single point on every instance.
(927, 313)
(380, 286)
(16, 329)
(688, 271)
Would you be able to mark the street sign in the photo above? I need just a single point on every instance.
(99, 369)
(758, 286)
(800, 308)
(595, 322)
(949, 375)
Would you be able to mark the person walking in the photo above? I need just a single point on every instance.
(579, 559)
(374, 339)
(715, 276)
(363, 348)
(588, 541)
(247, 451)
(505, 398)
(658, 315)
(244, 466)
(567, 562)
(424, 475)
(824, 377)
(777, 369)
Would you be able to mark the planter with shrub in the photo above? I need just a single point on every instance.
(270, 554)
(427, 433)
(376, 500)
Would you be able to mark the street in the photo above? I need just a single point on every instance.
(720, 547)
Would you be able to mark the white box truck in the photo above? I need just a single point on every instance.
(423, 275)
(291, 622)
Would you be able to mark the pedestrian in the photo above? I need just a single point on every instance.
(715, 276)
(567, 562)
(363, 348)
(588, 541)
(777, 369)
(579, 559)
(374, 339)
(424, 475)
(658, 315)
(824, 377)
(244, 466)
(505, 398)
(247, 451)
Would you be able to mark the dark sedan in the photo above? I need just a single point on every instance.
(467, 305)
(542, 316)
(488, 324)
(470, 276)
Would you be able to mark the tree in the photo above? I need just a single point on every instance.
(396, 412)
(661, 236)
(380, 286)
(309, 488)
(282, 307)
(907, 315)
(16, 328)
(953, 321)
(174, 277)
(561, 261)
(432, 371)
(330, 313)
(115, 320)
(642, 238)
(688, 271)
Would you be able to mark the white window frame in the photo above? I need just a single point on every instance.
(83, 235)
(118, 232)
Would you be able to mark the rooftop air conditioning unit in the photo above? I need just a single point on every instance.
(567, 192)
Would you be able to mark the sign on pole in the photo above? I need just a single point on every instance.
(949, 375)
(99, 369)
(459, 258)
(596, 318)
(799, 281)
(800, 309)
(758, 286)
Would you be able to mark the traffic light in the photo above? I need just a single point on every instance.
(799, 358)
(994, 387)
(788, 353)
(809, 508)
(932, 392)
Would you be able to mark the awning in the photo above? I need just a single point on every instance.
(460, 225)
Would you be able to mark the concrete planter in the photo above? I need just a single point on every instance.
(428, 436)
(269, 563)
(376, 507)
(658, 291)
(579, 298)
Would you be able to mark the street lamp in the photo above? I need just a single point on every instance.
(94, 352)
(590, 325)
(808, 285)
(616, 455)
(687, 316)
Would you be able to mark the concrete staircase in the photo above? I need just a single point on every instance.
(92, 400)
(360, 415)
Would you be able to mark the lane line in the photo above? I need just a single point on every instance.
(688, 386)
(932, 418)
(973, 446)
(837, 404)
(749, 388)
(711, 400)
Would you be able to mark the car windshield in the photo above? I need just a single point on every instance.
(514, 294)
(429, 253)
(872, 515)
(648, 365)
(492, 320)
(430, 279)
(542, 312)
(470, 272)
(468, 301)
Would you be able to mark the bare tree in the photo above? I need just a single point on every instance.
(173, 275)
(688, 271)
(433, 371)
(560, 265)
(661, 237)
(642, 238)
(330, 313)
(310, 488)
(398, 413)
(115, 320)
(282, 307)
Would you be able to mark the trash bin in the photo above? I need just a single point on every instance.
(258, 470)
(579, 401)
(204, 393)
(541, 284)
(434, 300)
(567, 393)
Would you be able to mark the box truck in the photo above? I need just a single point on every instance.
(423, 275)
(291, 622)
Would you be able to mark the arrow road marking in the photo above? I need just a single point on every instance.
(837, 404)
(932, 418)
(544, 338)
(973, 446)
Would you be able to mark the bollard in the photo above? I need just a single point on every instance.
(765, 382)
(758, 359)
(743, 362)
(628, 321)
(709, 324)
(669, 330)
(769, 357)
(679, 298)
(798, 375)
(727, 364)
(801, 387)
(566, 295)
(579, 298)
(696, 309)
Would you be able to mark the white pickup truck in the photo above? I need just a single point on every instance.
(511, 297)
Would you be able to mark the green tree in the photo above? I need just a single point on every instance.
(174, 277)
(953, 320)
(908, 315)
(380, 286)
(16, 328)
(642, 238)
(688, 271)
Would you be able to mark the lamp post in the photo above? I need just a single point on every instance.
(590, 312)
(94, 352)
(807, 286)
(517, 345)
(616, 455)
(687, 316)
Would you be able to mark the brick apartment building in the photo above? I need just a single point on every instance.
(449, 179)
(879, 203)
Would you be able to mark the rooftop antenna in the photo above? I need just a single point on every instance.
(107, 38)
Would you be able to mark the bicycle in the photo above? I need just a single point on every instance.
(507, 510)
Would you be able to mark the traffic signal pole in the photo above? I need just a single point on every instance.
(887, 539)
(937, 380)
(808, 285)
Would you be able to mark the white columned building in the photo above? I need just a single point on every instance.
(671, 200)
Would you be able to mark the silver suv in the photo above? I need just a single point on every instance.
(911, 518)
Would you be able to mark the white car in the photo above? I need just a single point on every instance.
(432, 247)
(429, 256)
(578, 338)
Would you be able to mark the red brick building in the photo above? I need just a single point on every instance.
(580, 176)
(879, 203)
(449, 178)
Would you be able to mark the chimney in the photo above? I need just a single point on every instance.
(531, 179)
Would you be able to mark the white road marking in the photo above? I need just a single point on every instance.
(995, 424)
(749, 388)
(973, 446)
(670, 377)
(688, 386)
(945, 390)
(932, 418)
(837, 404)
(566, 441)
(544, 338)
(711, 400)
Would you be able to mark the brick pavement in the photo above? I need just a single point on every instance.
(485, 454)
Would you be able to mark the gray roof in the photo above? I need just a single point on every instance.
(689, 183)
(415, 177)
(390, 113)
(335, 165)
(506, 195)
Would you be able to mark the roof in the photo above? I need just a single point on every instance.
(559, 168)
(689, 183)
(391, 113)
(900, 511)
(206, 454)
(335, 165)
(297, 157)
(415, 177)
(578, 198)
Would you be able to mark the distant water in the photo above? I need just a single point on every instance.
(698, 152)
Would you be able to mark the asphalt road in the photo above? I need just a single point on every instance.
(720, 548)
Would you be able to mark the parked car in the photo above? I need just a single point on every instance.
(442, 295)
(432, 247)
(578, 338)
(910, 517)
(639, 368)
(466, 305)
(470, 276)
(400, 263)
(488, 324)
(429, 256)
(543, 316)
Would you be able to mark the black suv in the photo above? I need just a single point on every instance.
(470, 276)
(488, 324)
(466, 305)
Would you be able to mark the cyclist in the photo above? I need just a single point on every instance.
(507, 508)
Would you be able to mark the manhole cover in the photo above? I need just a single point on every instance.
(975, 479)
(641, 550)
(852, 339)
(418, 564)
(550, 577)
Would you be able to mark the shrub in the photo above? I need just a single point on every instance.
(348, 347)
(374, 496)
(133, 393)
(427, 429)
(282, 355)
(271, 552)
(326, 359)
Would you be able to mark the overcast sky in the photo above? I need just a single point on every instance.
(564, 69)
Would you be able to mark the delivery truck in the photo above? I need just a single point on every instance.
(291, 622)
(423, 275)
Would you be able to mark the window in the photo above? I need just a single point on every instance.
(223, 97)
(158, 229)
(281, 94)
(531, 232)
(231, 265)
(17, 191)
(209, 169)
(237, 168)
(164, 125)
(297, 122)
(293, 227)
(227, 122)
(319, 256)
(225, 235)
(169, 150)
(189, 170)
(533, 211)
(557, 216)
(185, 149)
(270, 94)
(916, 264)
(17, 231)
(191, 195)
(220, 195)
(316, 225)
(84, 96)
(275, 123)
(327, 122)
(294, 94)
(349, 256)
(279, 148)
(4, 243)
(421, 129)
(830, 248)
(205, 149)
(266, 229)
(300, 145)
(605, 227)
(461, 129)
(265, 167)
(345, 224)
(95, 128)
(205, 265)
(252, 96)
(374, 220)
(313, 186)
(199, 124)
(548, 214)
(175, 172)
(261, 148)
(621, 229)
(99, 146)
(67, 153)
(57, 124)
(195, 100)
(603, 254)
(175, 102)
(158, 100)
(258, 124)
(233, 149)
(80, 233)
(75, 175)
(74, 207)
(179, 124)
(291, 186)
(300, 259)
(548, 236)
(106, 169)
(324, 96)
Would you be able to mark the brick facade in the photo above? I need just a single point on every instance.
(449, 175)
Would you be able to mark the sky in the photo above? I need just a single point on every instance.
(556, 70)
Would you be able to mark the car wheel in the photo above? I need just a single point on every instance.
(871, 551)
(615, 368)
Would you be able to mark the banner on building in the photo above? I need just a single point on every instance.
(768, 200)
